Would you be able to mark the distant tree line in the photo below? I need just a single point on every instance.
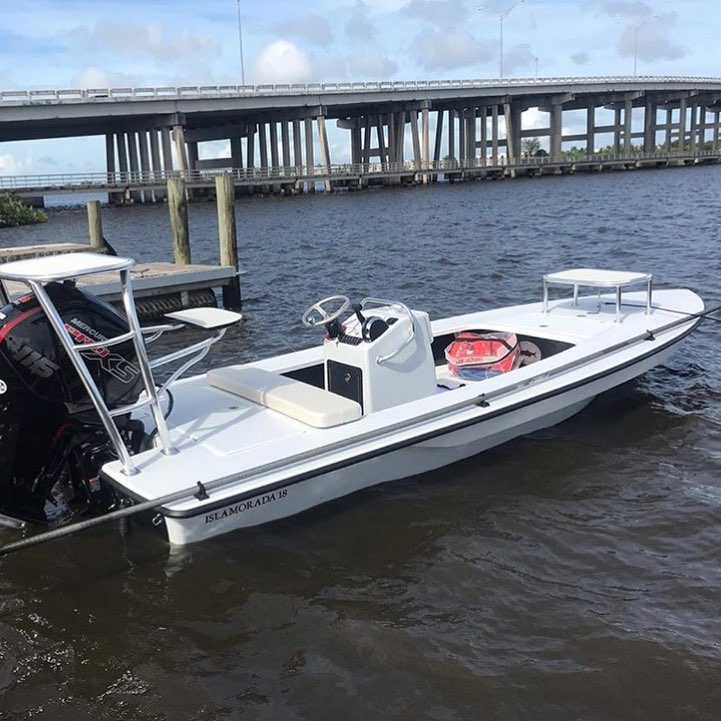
(14, 212)
(531, 147)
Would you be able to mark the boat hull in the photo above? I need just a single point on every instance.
(428, 452)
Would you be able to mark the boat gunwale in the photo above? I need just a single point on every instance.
(427, 435)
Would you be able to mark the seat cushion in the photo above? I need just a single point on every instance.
(305, 403)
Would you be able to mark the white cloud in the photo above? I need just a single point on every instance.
(97, 78)
(312, 28)
(371, 63)
(450, 49)
(282, 62)
(441, 13)
(9, 165)
(144, 39)
(359, 25)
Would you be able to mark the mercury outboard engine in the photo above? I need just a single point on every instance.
(51, 439)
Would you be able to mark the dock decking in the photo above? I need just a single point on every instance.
(150, 280)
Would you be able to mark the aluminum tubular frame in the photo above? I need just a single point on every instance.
(619, 303)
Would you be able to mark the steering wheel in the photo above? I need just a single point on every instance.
(319, 314)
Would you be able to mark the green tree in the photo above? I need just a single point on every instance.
(14, 212)
(530, 147)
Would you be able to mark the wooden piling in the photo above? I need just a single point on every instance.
(95, 225)
(225, 194)
(178, 209)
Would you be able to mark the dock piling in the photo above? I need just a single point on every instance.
(227, 232)
(178, 209)
(95, 225)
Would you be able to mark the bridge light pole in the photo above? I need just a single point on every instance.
(240, 44)
(636, 28)
(501, 17)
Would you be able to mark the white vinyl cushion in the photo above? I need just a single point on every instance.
(305, 403)
(596, 278)
(206, 318)
(59, 267)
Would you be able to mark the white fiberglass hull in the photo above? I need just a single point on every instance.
(413, 459)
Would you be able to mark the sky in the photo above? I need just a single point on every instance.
(120, 43)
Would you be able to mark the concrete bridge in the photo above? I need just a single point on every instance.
(278, 136)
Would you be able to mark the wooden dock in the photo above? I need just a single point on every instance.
(158, 287)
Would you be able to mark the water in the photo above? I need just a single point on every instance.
(573, 574)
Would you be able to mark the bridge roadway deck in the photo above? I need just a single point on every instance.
(38, 114)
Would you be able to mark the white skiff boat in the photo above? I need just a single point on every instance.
(375, 400)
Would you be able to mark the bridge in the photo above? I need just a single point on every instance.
(278, 136)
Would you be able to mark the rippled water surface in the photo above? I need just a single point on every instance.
(572, 574)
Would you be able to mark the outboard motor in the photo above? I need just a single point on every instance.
(50, 434)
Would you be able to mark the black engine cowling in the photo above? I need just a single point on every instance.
(49, 429)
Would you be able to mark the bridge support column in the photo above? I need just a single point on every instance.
(309, 155)
(426, 143)
(462, 142)
(156, 165)
(113, 198)
(438, 141)
(617, 128)
(122, 146)
(669, 127)
(649, 127)
(483, 142)
(401, 137)
(693, 131)
(236, 153)
(145, 165)
(590, 130)
(452, 134)
(285, 142)
(356, 146)
(274, 160)
(416, 141)
(324, 151)
(167, 151)
(682, 110)
(556, 141)
(494, 135)
(180, 148)
(627, 126)
(263, 151)
(716, 131)
(136, 195)
(510, 150)
(471, 126)
(380, 136)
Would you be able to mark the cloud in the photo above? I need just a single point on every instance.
(450, 49)
(628, 10)
(359, 26)
(9, 165)
(519, 56)
(92, 77)
(371, 63)
(144, 39)
(312, 28)
(282, 62)
(441, 13)
(650, 39)
(581, 58)
(646, 34)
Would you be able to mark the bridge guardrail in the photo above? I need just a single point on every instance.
(209, 91)
(120, 181)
